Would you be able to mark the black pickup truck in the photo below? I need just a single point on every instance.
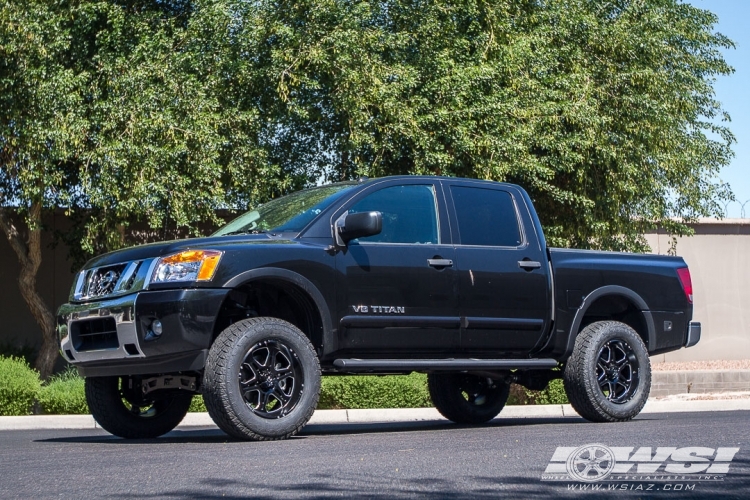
(450, 277)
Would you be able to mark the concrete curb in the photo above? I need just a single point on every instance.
(321, 417)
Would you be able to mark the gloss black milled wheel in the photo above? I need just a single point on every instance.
(262, 379)
(271, 379)
(608, 376)
(617, 371)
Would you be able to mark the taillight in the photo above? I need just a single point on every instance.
(687, 284)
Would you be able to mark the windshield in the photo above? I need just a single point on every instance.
(288, 213)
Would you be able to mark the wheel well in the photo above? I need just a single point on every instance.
(272, 297)
(616, 308)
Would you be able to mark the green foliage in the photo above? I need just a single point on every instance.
(19, 386)
(366, 391)
(123, 114)
(166, 112)
(554, 394)
(605, 112)
(197, 405)
(64, 394)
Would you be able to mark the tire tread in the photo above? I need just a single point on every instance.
(583, 395)
(215, 393)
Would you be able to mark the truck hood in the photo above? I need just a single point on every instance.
(152, 250)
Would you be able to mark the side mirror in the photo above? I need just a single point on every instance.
(353, 226)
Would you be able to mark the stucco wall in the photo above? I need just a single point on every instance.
(719, 259)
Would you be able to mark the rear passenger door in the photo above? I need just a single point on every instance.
(503, 275)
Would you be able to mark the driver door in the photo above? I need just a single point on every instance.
(397, 289)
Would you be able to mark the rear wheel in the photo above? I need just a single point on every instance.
(608, 376)
(262, 379)
(467, 399)
(116, 405)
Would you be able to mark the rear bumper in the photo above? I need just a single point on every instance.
(693, 334)
(113, 337)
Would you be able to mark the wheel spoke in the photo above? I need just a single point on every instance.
(263, 401)
(261, 356)
(282, 397)
(250, 386)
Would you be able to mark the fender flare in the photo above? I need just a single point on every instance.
(296, 279)
(603, 292)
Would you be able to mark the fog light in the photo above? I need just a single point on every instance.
(154, 330)
(157, 328)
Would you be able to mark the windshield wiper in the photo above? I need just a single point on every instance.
(245, 231)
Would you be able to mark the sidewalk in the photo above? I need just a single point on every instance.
(669, 405)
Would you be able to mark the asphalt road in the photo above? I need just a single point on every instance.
(505, 458)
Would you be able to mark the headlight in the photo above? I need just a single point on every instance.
(190, 265)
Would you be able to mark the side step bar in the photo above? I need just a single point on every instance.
(364, 365)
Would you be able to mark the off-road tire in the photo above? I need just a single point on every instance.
(467, 399)
(109, 408)
(231, 363)
(599, 390)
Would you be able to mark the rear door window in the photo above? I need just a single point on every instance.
(486, 217)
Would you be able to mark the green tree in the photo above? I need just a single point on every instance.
(39, 119)
(122, 112)
(604, 111)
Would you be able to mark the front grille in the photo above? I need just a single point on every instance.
(105, 281)
(94, 334)
(102, 281)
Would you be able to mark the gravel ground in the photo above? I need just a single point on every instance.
(705, 396)
(734, 364)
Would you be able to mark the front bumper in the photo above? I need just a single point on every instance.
(112, 337)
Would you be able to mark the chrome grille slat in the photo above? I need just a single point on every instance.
(103, 280)
(111, 280)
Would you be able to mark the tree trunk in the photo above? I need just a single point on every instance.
(30, 257)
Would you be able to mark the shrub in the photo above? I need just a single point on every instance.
(554, 394)
(371, 391)
(63, 394)
(368, 391)
(197, 405)
(19, 386)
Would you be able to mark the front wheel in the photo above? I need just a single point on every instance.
(467, 399)
(608, 376)
(262, 380)
(117, 406)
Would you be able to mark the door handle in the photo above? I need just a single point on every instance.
(440, 262)
(529, 265)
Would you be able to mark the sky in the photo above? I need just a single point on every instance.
(733, 92)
